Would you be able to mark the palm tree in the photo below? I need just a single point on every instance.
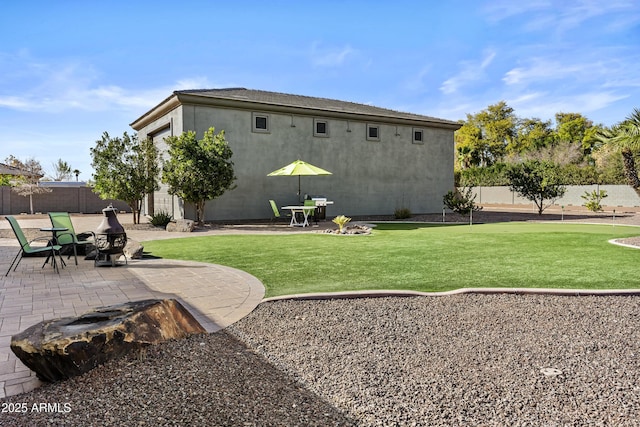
(625, 138)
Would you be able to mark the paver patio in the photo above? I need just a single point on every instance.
(216, 295)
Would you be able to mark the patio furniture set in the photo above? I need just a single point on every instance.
(64, 237)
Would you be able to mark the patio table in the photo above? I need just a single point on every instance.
(304, 210)
(55, 231)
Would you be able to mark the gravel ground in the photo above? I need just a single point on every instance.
(462, 360)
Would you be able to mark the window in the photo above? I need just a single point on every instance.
(260, 123)
(418, 136)
(320, 128)
(373, 132)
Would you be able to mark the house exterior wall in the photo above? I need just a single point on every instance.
(369, 177)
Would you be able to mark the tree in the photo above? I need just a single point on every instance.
(198, 170)
(537, 181)
(532, 134)
(61, 171)
(625, 138)
(27, 185)
(125, 169)
(483, 138)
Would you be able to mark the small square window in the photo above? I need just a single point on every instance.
(418, 136)
(260, 123)
(373, 133)
(320, 128)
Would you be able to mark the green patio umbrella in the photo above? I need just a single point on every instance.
(299, 168)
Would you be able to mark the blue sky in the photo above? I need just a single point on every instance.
(71, 70)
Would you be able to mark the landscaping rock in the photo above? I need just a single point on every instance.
(134, 249)
(63, 348)
(181, 226)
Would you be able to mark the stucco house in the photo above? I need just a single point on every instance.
(380, 159)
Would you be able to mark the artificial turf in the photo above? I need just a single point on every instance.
(424, 257)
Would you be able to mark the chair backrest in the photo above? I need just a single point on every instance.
(19, 233)
(310, 203)
(63, 220)
(276, 212)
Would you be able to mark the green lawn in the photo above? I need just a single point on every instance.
(424, 257)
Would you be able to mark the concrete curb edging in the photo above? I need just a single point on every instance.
(482, 291)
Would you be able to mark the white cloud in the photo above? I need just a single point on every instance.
(470, 71)
(56, 87)
(544, 15)
(545, 105)
(330, 57)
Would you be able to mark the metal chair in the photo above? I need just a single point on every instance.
(26, 248)
(69, 238)
(276, 212)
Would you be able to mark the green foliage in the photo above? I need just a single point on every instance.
(342, 221)
(402, 213)
(483, 138)
(160, 219)
(125, 169)
(198, 170)
(483, 176)
(537, 181)
(461, 201)
(625, 139)
(594, 199)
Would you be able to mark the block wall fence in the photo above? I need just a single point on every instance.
(617, 196)
(73, 200)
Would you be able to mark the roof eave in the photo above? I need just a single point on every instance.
(181, 98)
(169, 104)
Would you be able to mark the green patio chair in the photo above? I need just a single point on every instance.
(70, 238)
(276, 212)
(27, 250)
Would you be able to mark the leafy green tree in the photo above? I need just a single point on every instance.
(198, 170)
(624, 137)
(532, 134)
(125, 169)
(483, 137)
(572, 127)
(537, 181)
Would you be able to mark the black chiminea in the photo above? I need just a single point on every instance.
(110, 238)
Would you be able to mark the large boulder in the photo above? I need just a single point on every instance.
(63, 348)
(181, 226)
(134, 249)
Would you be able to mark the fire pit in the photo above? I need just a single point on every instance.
(110, 239)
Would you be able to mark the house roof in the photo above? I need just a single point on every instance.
(286, 103)
(12, 170)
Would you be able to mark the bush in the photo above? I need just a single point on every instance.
(461, 201)
(160, 219)
(593, 200)
(402, 213)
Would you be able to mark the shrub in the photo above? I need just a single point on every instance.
(461, 201)
(402, 213)
(160, 219)
(593, 200)
(341, 220)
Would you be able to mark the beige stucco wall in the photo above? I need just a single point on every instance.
(369, 177)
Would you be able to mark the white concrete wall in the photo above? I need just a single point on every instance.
(617, 195)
